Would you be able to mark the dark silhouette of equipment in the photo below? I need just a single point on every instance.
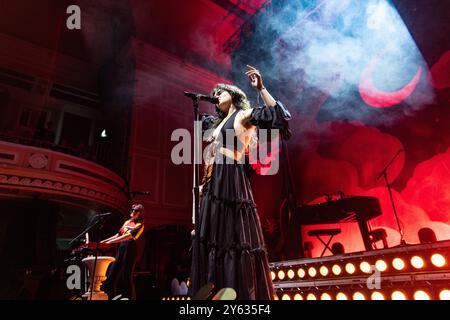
(427, 235)
(324, 232)
(337, 248)
(377, 235)
(308, 247)
(358, 209)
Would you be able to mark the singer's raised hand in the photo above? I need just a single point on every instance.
(255, 77)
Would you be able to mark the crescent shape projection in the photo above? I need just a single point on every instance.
(381, 99)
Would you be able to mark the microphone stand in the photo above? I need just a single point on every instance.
(196, 188)
(384, 174)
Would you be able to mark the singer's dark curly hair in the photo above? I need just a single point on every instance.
(238, 97)
(240, 101)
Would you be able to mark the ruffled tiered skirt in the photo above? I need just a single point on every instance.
(232, 251)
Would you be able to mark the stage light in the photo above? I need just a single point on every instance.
(285, 297)
(188, 298)
(438, 260)
(398, 264)
(291, 274)
(417, 262)
(275, 297)
(298, 296)
(311, 296)
(325, 296)
(398, 295)
(350, 268)
(281, 274)
(336, 270)
(272, 274)
(301, 273)
(312, 272)
(104, 134)
(377, 296)
(324, 271)
(421, 295)
(334, 277)
(365, 267)
(358, 296)
(444, 295)
(341, 296)
(381, 265)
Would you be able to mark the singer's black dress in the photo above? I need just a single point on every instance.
(232, 251)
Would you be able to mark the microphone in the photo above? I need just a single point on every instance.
(203, 97)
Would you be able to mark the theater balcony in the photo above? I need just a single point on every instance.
(35, 172)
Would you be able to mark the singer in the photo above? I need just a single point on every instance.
(126, 253)
(232, 251)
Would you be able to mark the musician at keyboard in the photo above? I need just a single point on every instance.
(126, 253)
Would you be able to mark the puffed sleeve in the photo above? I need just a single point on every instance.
(276, 117)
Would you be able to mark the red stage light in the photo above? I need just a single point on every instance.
(381, 265)
(398, 264)
(417, 262)
(298, 296)
(377, 296)
(312, 272)
(291, 274)
(421, 295)
(311, 296)
(341, 296)
(325, 296)
(358, 296)
(336, 270)
(365, 267)
(444, 294)
(350, 268)
(323, 271)
(398, 295)
(301, 273)
(438, 260)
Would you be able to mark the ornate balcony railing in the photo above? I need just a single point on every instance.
(28, 170)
